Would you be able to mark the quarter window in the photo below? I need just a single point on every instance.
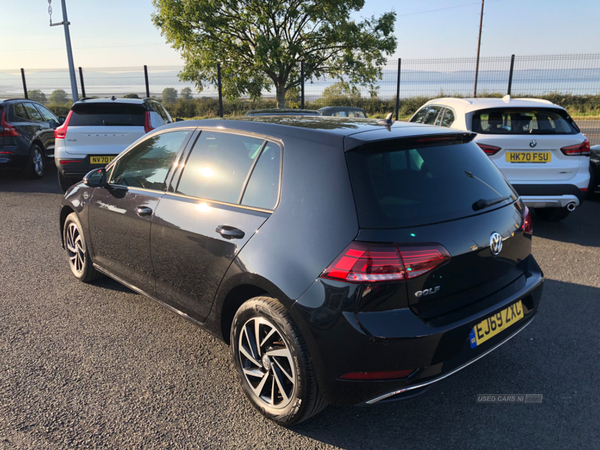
(20, 112)
(218, 166)
(448, 119)
(148, 163)
(263, 187)
(48, 116)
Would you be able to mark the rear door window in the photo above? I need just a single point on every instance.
(418, 117)
(33, 113)
(47, 114)
(262, 189)
(523, 121)
(431, 115)
(418, 186)
(107, 114)
(218, 166)
(19, 112)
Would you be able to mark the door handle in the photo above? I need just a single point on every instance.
(143, 211)
(230, 232)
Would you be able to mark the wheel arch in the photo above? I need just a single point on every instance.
(235, 298)
(64, 213)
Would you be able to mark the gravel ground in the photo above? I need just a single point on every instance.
(98, 366)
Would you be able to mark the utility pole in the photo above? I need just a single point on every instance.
(66, 24)
(478, 49)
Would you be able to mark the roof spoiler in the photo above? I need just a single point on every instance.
(409, 142)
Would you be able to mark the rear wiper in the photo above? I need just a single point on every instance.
(485, 203)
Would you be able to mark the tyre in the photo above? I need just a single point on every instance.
(552, 214)
(36, 162)
(591, 194)
(64, 182)
(77, 251)
(272, 362)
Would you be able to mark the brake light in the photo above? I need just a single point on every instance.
(527, 226)
(147, 123)
(61, 132)
(489, 149)
(9, 130)
(377, 375)
(582, 149)
(363, 262)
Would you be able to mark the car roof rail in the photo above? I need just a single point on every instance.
(11, 99)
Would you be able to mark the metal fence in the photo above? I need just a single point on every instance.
(573, 80)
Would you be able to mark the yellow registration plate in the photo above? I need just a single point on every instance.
(101, 159)
(495, 324)
(528, 157)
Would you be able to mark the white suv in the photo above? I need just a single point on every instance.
(97, 130)
(535, 143)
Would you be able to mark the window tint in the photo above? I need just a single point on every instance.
(46, 114)
(523, 121)
(263, 187)
(218, 166)
(402, 188)
(19, 111)
(431, 115)
(100, 114)
(147, 164)
(32, 112)
(418, 117)
(448, 119)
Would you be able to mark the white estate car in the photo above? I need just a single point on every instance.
(535, 143)
(97, 130)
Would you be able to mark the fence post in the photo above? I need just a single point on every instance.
(220, 90)
(510, 74)
(147, 83)
(82, 85)
(24, 83)
(398, 87)
(302, 84)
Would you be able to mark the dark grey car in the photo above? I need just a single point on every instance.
(26, 135)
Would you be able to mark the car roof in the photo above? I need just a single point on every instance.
(347, 108)
(274, 111)
(324, 129)
(475, 104)
(137, 101)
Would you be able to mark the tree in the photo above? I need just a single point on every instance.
(261, 43)
(131, 96)
(341, 89)
(186, 94)
(37, 96)
(58, 97)
(169, 96)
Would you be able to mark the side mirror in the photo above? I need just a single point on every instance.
(61, 119)
(53, 124)
(177, 119)
(96, 178)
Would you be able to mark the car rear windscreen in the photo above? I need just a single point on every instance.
(102, 114)
(523, 121)
(419, 186)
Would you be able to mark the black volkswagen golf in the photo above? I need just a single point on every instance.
(345, 261)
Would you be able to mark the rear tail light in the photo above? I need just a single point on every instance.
(489, 149)
(582, 149)
(363, 262)
(527, 226)
(147, 122)
(377, 375)
(9, 130)
(61, 132)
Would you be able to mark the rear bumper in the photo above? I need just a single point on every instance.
(550, 195)
(76, 169)
(398, 340)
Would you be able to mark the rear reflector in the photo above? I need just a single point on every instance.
(363, 262)
(582, 149)
(377, 375)
(61, 132)
(527, 225)
(9, 130)
(64, 162)
(489, 149)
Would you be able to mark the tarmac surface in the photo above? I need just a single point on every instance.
(98, 366)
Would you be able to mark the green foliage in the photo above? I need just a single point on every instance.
(260, 43)
(37, 96)
(131, 96)
(58, 97)
(186, 94)
(60, 110)
(169, 96)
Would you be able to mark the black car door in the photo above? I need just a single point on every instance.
(49, 125)
(227, 190)
(120, 215)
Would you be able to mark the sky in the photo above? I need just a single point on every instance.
(120, 33)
